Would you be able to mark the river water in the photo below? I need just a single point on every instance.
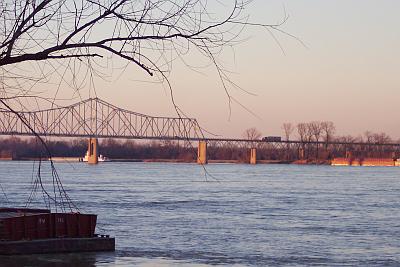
(229, 214)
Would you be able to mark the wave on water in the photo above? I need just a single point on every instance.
(214, 258)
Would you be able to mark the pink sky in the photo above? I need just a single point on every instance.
(348, 73)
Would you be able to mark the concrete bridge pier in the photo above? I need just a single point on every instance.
(93, 151)
(349, 154)
(202, 152)
(253, 156)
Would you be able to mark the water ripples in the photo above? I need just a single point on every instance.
(168, 214)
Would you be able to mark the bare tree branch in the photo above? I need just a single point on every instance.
(49, 32)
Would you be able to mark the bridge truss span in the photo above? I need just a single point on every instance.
(97, 118)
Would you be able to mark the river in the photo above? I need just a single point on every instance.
(166, 214)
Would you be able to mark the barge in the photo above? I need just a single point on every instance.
(32, 231)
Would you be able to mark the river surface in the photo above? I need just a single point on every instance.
(228, 215)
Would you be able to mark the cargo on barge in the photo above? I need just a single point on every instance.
(29, 231)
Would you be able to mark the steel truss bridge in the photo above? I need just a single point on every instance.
(284, 144)
(95, 118)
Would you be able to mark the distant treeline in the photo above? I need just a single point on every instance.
(118, 149)
(18, 148)
(323, 132)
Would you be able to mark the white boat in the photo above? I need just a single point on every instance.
(100, 158)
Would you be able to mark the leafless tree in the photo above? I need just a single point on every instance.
(382, 138)
(377, 138)
(252, 134)
(72, 42)
(309, 137)
(346, 141)
(369, 137)
(316, 131)
(72, 39)
(302, 131)
(328, 130)
(288, 129)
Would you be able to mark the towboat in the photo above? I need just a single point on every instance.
(100, 158)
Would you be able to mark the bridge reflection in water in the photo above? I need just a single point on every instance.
(94, 118)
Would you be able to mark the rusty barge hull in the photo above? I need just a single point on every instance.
(32, 231)
(57, 245)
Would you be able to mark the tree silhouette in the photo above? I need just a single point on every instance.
(72, 38)
(252, 134)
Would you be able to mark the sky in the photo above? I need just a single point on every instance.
(345, 69)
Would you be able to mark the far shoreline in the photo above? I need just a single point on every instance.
(343, 162)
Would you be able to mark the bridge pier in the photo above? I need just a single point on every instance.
(202, 152)
(93, 151)
(253, 156)
(349, 154)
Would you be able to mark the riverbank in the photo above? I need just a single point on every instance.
(371, 162)
(77, 159)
